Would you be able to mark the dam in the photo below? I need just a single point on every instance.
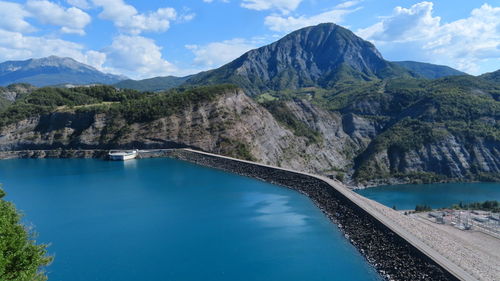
(391, 248)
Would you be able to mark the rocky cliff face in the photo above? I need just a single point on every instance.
(449, 159)
(233, 125)
(236, 125)
(11, 93)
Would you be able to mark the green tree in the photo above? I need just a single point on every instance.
(21, 259)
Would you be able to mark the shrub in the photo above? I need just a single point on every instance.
(20, 258)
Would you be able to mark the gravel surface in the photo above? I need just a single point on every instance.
(475, 252)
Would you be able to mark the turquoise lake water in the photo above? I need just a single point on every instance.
(162, 219)
(407, 196)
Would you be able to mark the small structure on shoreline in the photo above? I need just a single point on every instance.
(122, 155)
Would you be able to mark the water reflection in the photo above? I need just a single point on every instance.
(274, 211)
(130, 164)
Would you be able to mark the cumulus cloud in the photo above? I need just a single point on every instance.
(71, 20)
(129, 20)
(410, 24)
(285, 6)
(82, 4)
(215, 54)
(464, 44)
(137, 56)
(12, 17)
(15, 46)
(286, 24)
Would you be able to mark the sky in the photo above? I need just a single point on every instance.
(142, 39)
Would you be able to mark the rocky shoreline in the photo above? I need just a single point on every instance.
(54, 153)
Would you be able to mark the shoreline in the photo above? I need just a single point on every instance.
(157, 153)
(386, 248)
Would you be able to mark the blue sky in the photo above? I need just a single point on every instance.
(144, 39)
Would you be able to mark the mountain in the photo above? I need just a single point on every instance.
(429, 71)
(152, 84)
(52, 71)
(317, 56)
(492, 76)
(363, 129)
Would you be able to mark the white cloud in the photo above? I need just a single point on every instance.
(215, 54)
(137, 56)
(466, 44)
(285, 6)
(348, 4)
(287, 24)
(71, 20)
(12, 17)
(82, 4)
(16, 46)
(410, 24)
(128, 19)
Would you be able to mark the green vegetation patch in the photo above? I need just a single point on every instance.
(409, 134)
(423, 208)
(132, 105)
(153, 106)
(283, 115)
(489, 206)
(236, 149)
(21, 259)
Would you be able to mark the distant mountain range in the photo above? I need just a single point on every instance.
(309, 57)
(428, 70)
(318, 56)
(492, 76)
(152, 84)
(53, 71)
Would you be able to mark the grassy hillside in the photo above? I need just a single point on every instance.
(429, 71)
(155, 84)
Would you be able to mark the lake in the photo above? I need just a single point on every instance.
(407, 196)
(164, 219)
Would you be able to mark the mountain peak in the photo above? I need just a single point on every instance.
(318, 55)
(52, 70)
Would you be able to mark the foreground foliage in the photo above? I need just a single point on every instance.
(20, 258)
